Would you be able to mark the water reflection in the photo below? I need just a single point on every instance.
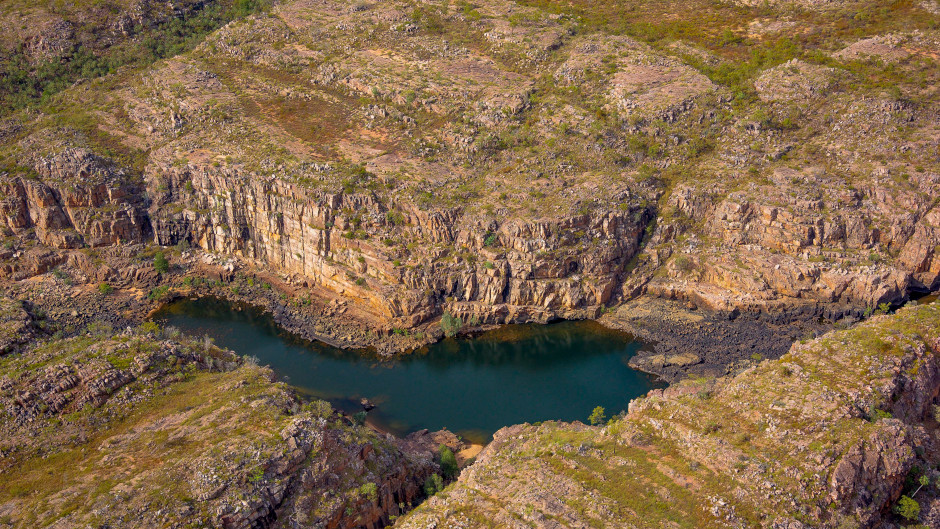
(472, 385)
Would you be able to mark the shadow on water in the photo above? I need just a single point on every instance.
(471, 385)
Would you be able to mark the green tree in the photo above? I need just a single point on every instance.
(450, 324)
(907, 508)
(160, 263)
(433, 485)
(105, 288)
(448, 463)
(359, 418)
(598, 416)
(369, 490)
(923, 481)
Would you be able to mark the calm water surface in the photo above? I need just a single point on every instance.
(470, 385)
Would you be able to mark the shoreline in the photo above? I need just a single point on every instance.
(684, 340)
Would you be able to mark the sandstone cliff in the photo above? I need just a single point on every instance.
(504, 162)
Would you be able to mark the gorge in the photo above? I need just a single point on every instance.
(229, 226)
(472, 386)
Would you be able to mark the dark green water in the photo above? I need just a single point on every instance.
(472, 386)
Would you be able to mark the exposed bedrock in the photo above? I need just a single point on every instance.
(406, 265)
(826, 436)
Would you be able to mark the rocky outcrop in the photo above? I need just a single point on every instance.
(515, 271)
(87, 201)
(830, 435)
(182, 432)
(16, 325)
(870, 247)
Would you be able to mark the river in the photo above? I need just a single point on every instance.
(472, 385)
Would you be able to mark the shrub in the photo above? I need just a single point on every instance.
(598, 416)
(907, 508)
(105, 288)
(449, 466)
(684, 263)
(100, 328)
(369, 490)
(395, 218)
(62, 276)
(433, 485)
(319, 408)
(876, 414)
(159, 293)
(359, 418)
(450, 324)
(242, 8)
(149, 327)
(160, 263)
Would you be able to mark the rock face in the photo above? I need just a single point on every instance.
(500, 163)
(89, 203)
(533, 271)
(829, 435)
(763, 256)
(530, 270)
(142, 431)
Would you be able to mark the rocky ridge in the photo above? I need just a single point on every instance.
(829, 435)
(502, 163)
(149, 429)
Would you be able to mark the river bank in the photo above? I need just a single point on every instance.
(685, 339)
(472, 385)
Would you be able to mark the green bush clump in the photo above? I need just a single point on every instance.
(149, 327)
(449, 466)
(360, 418)
(369, 490)
(159, 293)
(450, 324)
(160, 263)
(433, 485)
(907, 508)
